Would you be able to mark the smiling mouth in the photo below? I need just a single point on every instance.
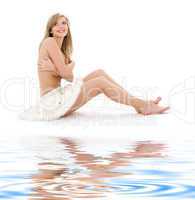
(60, 31)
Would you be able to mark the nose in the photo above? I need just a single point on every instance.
(61, 27)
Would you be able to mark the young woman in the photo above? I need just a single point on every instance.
(55, 63)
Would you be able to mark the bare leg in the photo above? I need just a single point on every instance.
(100, 73)
(96, 86)
(148, 108)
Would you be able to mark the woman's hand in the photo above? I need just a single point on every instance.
(72, 64)
(67, 60)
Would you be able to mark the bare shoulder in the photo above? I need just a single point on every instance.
(49, 40)
(48, 43)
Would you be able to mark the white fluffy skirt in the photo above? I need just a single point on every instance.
(55, 103)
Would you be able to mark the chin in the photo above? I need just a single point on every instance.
(62, 35)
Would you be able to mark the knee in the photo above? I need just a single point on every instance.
(101, 82)
(101, 72)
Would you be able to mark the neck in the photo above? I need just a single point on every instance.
(59, 41)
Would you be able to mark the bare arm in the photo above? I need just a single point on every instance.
(64, 70)
(71, 67)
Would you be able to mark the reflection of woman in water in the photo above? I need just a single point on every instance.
(55, 63)
(75, 184)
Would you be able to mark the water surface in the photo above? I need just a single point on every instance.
(45, 167)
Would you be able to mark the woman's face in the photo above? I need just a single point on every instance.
(60, 29)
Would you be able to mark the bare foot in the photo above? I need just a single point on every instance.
(151, 107)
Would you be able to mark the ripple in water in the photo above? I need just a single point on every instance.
(64, 168)
(154, 189)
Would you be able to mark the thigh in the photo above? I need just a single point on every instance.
(94, 74)
(89, 89)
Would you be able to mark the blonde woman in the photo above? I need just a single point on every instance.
(55, 63)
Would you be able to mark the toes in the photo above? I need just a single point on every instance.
(158, 99)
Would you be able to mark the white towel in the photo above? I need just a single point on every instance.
(55, 103)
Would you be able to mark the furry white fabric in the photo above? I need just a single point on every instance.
(55, 103)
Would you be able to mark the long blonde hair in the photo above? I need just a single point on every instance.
(67, 46)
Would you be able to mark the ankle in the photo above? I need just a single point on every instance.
(137, 103)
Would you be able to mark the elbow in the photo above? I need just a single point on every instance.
(68, 77)
(66, 73)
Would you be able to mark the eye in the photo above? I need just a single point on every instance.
(64, 22)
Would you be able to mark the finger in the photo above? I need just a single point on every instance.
(158, 99)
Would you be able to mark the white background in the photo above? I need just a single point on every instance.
(148, 46)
